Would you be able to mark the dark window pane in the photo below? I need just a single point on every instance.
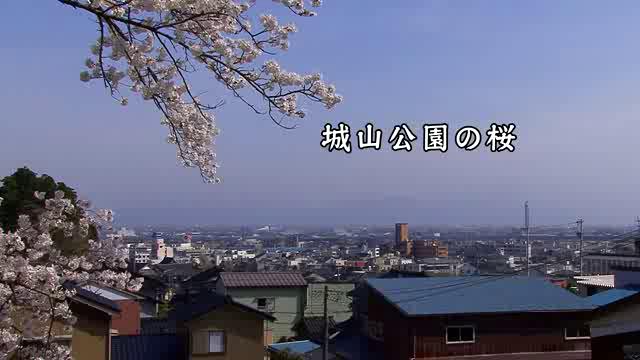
(585, 331)
(572, 332)
(466, 334)
(453, 334)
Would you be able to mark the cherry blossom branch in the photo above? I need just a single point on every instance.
(155, 44)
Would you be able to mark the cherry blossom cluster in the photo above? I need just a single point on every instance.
(33, 295)
(150, 48)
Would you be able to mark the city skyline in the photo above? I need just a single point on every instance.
(567, 78)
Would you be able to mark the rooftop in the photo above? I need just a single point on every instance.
(141, 347)
(92, 298)
(296, 347)
(596, 280)
(201, 304)
(611, 296)
(476, 295)
(262, 279)
(312, 327)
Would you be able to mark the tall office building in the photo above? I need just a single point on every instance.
(402, 236)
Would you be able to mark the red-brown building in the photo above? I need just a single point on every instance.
(477, 318)
(127, 321)
(355, 263)
(429, 249)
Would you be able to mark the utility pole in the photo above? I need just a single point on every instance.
(637, 237)
(325, 345)
(526, 229)
(581, 237)
(477, 260)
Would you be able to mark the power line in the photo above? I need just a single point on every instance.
(580, 235)
(552, 226)
(526, 226)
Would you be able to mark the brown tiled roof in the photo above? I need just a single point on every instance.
(262, 279)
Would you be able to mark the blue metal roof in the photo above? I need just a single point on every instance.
(610, 296)
(352, 345)
(476, 294)
(296, 347)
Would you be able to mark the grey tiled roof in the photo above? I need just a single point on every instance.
(262, 279)
(204, 303)
(313, 327)
(476, 294)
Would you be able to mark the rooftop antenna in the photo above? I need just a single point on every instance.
(581, 237)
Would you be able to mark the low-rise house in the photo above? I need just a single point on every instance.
(208, 326)
(448, 266)
(477, 318)
(90, 337)
(127, 321)
(218, 327)
(360, 296)
(281, 294)
(601, 264)
(615, 325)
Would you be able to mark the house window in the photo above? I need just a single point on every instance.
(376, 330)
(460, 334)
(574, 333)
(216, 341)
(262, 304)
(266, 304)
(208, 341)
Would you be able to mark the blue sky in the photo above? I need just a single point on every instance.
(566, 73)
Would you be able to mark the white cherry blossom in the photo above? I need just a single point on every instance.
(33, 273)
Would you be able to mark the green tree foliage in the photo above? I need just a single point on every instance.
(17, 192)
(164, 309)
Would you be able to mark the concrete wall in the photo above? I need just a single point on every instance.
(90, 338)
(626, 278)
(339, 304)
(127, 322)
